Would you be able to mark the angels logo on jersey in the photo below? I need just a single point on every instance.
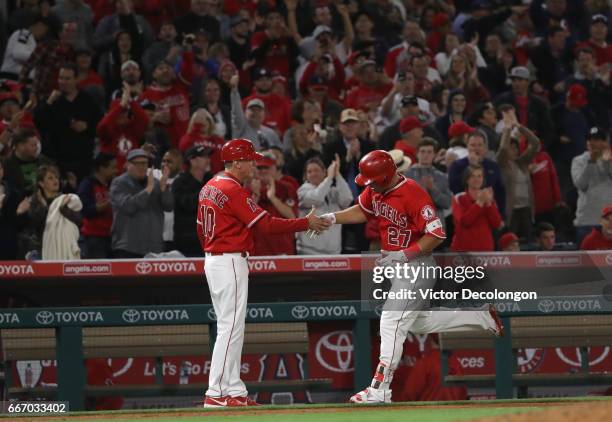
(252, 204)
(124, 145)
(427, 212)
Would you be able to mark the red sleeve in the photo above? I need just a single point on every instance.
(186, 73)
(274, 225)
(188, 139)
(423, 214)
(365, 202)
(244, 208)
(108, 125)
(493, 216)
(554, 180)
(351, 99)
(338, 81)
(390, 63)
(256, 39)
(140, 120)
(466, 216)
(309, 70)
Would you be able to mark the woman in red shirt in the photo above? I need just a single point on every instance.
(475, 214)
(201, 133)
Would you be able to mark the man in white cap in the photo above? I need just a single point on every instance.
(531, 111)
(248, 123)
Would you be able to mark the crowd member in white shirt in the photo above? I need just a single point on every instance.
(328, 193)
(21, 44)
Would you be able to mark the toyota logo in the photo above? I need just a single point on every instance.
(131, 315)
(44, 317)
(546, 306)
(334, 351)
(211, 314)
(300, 312)
(144, 268)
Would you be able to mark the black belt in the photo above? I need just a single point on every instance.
(242, 254)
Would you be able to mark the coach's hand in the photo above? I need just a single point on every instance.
(315, 223)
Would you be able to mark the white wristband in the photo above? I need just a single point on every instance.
(330, 216)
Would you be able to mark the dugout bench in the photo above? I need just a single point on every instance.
(110, 333)
(580, 331)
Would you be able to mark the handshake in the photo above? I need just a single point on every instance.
(318, 224)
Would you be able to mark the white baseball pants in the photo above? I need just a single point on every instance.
(401, 316)
(228, 281)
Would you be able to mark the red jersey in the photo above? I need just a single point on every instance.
(545, 183)
(277, 53)
(226, 213)
(195, 137)
(278, 110)
(596, 241)
(119, 139)
(92, 79)
(367, 97)
(175, 99)
(473, 224)
(277, 244)
(405, 213)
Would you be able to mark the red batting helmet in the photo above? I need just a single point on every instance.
(239, 150)
(376, 166)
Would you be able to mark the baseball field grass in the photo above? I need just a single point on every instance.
(588, 409)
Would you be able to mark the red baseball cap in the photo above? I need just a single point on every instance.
(606, 211)
(459, 128)
(506, 239)
(265, 161)
(408, 123)
(577, 95)
(439, 19)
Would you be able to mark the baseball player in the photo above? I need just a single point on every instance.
(226, 214)
(409, 231)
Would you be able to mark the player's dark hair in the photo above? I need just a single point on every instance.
(543, 227)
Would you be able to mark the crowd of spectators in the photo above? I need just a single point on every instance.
(113, 114)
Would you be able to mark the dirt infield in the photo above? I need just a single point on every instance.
(594, 411)
(558, 411)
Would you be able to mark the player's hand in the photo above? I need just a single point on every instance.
(389, 258)
(317, 224)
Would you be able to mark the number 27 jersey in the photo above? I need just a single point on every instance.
(405, 213)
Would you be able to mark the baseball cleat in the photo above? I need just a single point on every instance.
(212, 402)
(499, 327)
(371, 395)
(241, 401)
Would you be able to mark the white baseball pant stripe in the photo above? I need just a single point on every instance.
(401, 316)
(227, 276)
